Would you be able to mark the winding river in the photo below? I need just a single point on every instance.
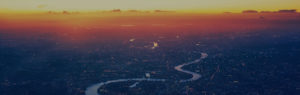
(93, 89)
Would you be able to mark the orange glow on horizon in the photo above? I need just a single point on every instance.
(204, 6)
(133, 20)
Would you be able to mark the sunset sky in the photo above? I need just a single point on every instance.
(189, 5)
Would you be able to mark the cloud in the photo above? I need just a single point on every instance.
(281, 11)
(65, 12)
(158, 11)
(116, 10)
(287, 11)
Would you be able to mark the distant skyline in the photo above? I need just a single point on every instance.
(179, 5)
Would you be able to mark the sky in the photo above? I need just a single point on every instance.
(199, 5)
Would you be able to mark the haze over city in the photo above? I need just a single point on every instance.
(149, 47)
